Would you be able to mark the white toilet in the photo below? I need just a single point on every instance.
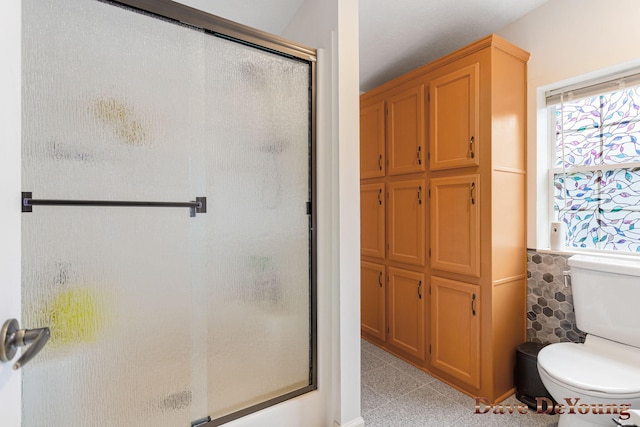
(604, 372)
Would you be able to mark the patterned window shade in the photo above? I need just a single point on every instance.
(596, 168)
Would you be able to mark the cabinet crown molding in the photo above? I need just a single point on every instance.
(493, 40)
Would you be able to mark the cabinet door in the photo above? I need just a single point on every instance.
(372, 299)
(406, 131)
(455, 329)
(372, 220)
(455, 224)
(406, 311)
(406, 221)
(453, 119)
(372, 135)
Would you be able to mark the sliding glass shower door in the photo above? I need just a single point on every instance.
(161, 313)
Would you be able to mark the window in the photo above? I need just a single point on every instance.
(595, 165)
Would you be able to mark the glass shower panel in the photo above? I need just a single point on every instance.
(255, 261)
(158, 318)
(109, 101)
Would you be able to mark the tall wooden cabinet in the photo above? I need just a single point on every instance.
(445, 147)
(393, 201)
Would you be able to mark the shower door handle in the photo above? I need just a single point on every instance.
(11, 338)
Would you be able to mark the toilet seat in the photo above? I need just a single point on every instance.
(596, 370)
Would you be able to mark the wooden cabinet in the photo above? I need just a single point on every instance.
(407, 201)
(455, 224)
(372, 299)
(455, 329)
(372, 137)
(372, 220)
(407, 311)
(453, 119)
(393, 204)
(454, 216)
(406, 131)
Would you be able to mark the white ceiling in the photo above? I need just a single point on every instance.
(395, 36)
(271, 16)
(398, 36)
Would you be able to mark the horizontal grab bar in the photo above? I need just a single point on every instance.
(199, 206)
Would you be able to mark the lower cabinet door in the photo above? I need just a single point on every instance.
(407, 311)
(372, 299)
(455, 329)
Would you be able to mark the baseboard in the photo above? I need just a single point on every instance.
(358, 422)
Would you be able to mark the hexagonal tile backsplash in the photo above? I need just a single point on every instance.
(550, 316)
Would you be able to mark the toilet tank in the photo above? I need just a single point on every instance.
(606, 297)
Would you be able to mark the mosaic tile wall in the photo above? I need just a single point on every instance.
(550, 316)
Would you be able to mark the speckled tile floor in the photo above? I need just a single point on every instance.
(396, 394)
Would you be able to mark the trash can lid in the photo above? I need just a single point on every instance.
(530, 349)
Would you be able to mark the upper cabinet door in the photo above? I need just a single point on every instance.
(455, 224)
(406, 131)
(372, 159)
(453, 119)
(372, 220)
(407, 200)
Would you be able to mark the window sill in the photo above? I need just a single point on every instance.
(607, 254)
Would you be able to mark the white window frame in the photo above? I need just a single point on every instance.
(549, 141)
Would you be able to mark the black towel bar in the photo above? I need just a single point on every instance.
(27, 202)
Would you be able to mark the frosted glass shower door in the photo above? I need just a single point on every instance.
(159, 317)
(104, 118)
(256, 262)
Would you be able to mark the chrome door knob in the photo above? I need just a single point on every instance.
(11, 338)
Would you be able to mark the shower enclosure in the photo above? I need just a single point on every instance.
(168, 226)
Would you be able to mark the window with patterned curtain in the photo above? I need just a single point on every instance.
(595, 164)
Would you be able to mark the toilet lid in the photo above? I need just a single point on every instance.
(592, 369)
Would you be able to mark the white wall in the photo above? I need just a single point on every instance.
(567, 39)
(332, 26)
(10, 396)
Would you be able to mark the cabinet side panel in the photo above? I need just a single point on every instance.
(509, 299)
(508, 108)
(508, 225)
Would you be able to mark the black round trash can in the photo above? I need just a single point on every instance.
(529, 386)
